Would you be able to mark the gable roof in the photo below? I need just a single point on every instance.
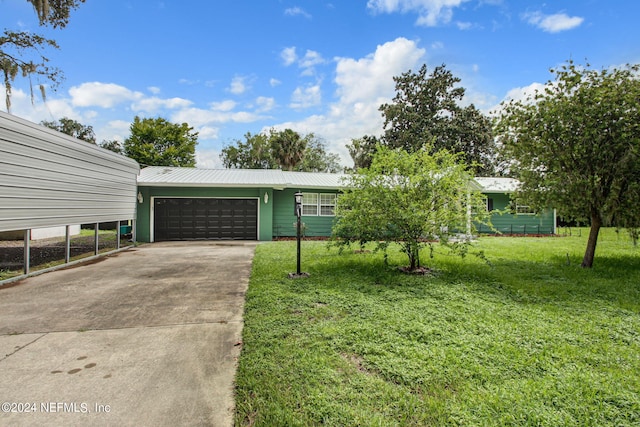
(164, 176)
(497, 185)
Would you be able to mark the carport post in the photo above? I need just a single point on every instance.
(67, 245)
(96, 229)
(118, 235)
(27, 250)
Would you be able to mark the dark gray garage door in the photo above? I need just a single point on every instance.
(205, 219)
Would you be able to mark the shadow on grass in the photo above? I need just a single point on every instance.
(614, 280)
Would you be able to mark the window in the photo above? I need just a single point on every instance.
(310, 204)
(524, 210)
(489, 204)
(315, 204)
(327, 204)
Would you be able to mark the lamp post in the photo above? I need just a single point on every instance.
(298, 212)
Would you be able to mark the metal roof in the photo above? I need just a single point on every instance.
(163, 176)
(497, 185)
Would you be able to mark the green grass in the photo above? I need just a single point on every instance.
(531, 339)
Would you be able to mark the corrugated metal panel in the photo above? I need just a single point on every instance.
(189, 177)
(49, 179)
(497, 185)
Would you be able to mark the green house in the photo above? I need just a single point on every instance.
(258, 204)
(232, 204)
(507, 215)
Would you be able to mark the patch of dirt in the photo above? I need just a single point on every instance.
(44, 251)
(420, 271)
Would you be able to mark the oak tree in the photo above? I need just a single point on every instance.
(158, 142)
(575, 146)
(427, 111)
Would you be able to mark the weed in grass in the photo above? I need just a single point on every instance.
(527, 340)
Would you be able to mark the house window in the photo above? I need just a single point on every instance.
(489, 204)
(315, 204)
(327, 204)
(310, 204)
(524, 210)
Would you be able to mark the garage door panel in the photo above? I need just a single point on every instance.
(205, 219)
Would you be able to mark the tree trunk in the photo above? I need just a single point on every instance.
(596, 223)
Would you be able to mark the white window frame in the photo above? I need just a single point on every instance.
(314, 203)
(524, 210)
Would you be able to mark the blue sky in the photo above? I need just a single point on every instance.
(237, 66)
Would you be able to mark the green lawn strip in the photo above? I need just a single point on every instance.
(527, 340)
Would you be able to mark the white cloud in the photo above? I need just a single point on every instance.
(363, 85)
(154, 104)
(208, 132)
(296, 11)
(199, 117)
(238, 85)
(274, 82)
(226, 105)
(553, 23)
(365, 79)
(265, 104)
(289, 55)
(430, 12)
(310, 60)
(154, 90)
(105, 95)
(306, 97)
(208, 159)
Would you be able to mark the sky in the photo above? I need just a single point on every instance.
(229, 67)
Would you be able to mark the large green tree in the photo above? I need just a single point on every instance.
(362, 150)
(22, 52)
(287, 148)
(575, 146)
(72, 128)
(252, 153)
(408, 198)
(284, 149)
(427, 111)
(158, 142)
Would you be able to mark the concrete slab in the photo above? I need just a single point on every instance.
(149, 336)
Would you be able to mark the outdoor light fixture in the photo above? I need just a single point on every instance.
(298, 204)
(266, 198)
(298, 213)
(140, 198)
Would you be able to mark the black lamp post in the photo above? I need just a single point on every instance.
(298, 211)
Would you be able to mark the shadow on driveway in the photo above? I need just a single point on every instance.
(149, 336)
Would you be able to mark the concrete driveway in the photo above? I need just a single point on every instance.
(149, 336)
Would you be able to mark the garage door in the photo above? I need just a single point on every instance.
(205, 219)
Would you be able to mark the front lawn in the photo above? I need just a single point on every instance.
(529, 339)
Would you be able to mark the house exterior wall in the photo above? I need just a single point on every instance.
(284, 217)
(145, 209)
(506, 222)
(48, 179)
(276, 218)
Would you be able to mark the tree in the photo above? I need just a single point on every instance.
(72, 128)
(252, 153)
(288, 148)
(426, 112)
(112, 145)
(21, 51)
(157, 142)
(316, 158)
(362, 150)
(575, 146)
(284, 149)
(408, 198)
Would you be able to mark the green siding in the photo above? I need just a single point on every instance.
(265, 215)
(506, 222)
(284, 217)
